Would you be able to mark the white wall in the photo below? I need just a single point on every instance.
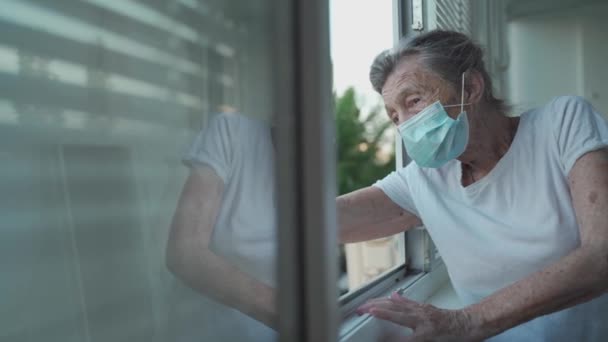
(563, 53)
(595, 56)
(545, 59)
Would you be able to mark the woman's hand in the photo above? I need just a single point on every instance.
(428, 322)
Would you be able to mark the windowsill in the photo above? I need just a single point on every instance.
(433, 286)
(446, 298)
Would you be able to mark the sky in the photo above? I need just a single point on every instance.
(360, 30)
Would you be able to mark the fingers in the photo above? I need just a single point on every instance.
(363, 309)
(395, 300)
(401, 299)
(425, 320)
(388, 315)
(388, 310)
(396, 317)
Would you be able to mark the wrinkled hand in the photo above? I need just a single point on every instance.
(428, 322)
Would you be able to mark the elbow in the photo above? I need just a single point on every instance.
(597, 259)
(171, 260)
(601, 279)
(174, 259)
(183, 259)
(604, 270)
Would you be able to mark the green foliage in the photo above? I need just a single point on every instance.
(358, 145)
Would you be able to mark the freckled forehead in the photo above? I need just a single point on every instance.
(409, 73)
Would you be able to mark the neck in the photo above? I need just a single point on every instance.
(491, 136)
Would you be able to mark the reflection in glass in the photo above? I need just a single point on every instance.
(222, 240)
(98, 102)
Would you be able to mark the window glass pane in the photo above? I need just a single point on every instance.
(112, 115)
(365, 136)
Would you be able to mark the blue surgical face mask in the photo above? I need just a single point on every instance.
(432, 137)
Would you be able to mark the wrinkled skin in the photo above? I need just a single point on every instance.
(428, 322)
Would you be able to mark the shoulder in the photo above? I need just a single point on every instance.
(411, 170)
(237, 122)
(416, 175)
(229, 121)
(398, 178)
(574, 114)
(568, 103)
(578, 128)
(234, 127)
(564, 108)
(559, 113)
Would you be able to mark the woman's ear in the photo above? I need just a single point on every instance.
(474, 86)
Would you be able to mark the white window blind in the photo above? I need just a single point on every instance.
(454, 15)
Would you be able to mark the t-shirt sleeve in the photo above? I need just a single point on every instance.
(579, 129)
(397, 187)
(213, 147)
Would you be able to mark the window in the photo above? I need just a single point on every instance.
(102, 103)
(372, 267)
(365, 136)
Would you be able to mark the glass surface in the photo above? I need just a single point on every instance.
(132, 133)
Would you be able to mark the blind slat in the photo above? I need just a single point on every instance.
(454, 15)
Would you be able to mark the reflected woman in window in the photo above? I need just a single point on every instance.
(222, 238)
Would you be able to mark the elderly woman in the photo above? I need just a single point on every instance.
(517, 206)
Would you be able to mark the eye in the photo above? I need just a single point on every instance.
(413, 101)
(394, 117)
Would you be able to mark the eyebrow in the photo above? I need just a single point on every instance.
(403, 93)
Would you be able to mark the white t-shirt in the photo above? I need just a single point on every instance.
(516, 220)
(240, 150)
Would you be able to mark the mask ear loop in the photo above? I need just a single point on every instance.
(462, 104)
(462, 95)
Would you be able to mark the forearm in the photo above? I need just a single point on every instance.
(576, 278)
(368, 214)
(218, 279)
(189, 257)
(352, 232)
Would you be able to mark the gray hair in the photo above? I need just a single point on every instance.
(446, 53)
